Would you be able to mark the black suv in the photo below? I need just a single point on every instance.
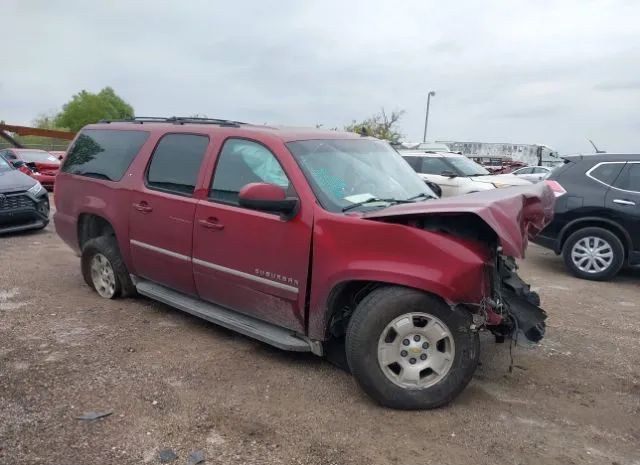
(596, 226)
(24, 203)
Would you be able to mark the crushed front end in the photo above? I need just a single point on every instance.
(512, 310)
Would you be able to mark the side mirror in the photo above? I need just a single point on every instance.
(17, 163)
(449, 174)
(268, 197)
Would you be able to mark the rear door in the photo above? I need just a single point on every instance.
(251, 261)
(624, 199)
(162, 212)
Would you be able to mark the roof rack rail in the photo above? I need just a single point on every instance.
(175, 120)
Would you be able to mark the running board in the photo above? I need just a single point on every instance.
(249, 326)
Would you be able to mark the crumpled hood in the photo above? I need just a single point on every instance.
(516, 214)
(14, 180)
(502, 179)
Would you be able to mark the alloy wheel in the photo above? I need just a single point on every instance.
(416, 350)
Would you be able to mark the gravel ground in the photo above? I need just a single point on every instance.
(174, 382)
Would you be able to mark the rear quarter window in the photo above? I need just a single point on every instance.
(104, 153)
(606, 172)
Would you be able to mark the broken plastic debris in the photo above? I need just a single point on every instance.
(90, 416)
(195, 457)
(167, 455)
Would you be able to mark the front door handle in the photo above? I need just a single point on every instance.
(623, 202)
(211, 223)
(143, 207)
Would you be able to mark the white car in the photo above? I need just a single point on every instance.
(533, 173)
(457, 174)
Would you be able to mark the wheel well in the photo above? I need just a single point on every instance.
(344, 299)
(91, 226)
(611, 227)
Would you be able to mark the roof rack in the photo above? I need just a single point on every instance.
(175, 120)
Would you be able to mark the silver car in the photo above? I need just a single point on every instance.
(533, 173)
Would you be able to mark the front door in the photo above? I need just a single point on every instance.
(624, 198)
(251, 261)
(162, 212)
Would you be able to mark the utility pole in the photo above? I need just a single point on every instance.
(426, 118)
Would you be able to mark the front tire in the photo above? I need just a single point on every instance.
(593, 253)
(103, 269)
(409, 350)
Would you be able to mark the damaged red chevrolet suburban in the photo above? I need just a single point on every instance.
(306, 240)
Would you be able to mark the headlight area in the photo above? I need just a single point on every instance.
(36, 189)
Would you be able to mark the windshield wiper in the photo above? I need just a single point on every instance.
(421, 194)
(374, 199)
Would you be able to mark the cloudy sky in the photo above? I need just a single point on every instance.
(553, 72)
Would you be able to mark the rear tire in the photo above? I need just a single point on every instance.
(593, 253)
(422, 320)
(118, 282)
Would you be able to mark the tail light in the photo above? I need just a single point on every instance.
(555, 186)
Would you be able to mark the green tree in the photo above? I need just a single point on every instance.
(86, 108)
(380, 125)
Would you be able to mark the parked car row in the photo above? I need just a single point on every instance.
(39, 164)
(24, 203)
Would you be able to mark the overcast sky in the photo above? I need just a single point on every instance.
(553, 72)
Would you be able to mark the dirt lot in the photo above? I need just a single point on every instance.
(174, 382)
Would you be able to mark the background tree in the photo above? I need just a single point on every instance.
(380, 125)
(86, 108)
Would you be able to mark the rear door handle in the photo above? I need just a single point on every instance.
(143, 207)
(211, 223)
(623, 202)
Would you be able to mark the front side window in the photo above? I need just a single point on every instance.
(432, 165)
(345, 173)
(524, 171)
(4, 164)
(242, 162)
(9, 156)
(104, 153)
(630, 178)
(175, 163)
(606, 172)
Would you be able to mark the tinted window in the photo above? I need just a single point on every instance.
(414, 162)
(103, 153)
(175, 163)
(630, 178)
(539, 170)
(242, 162)
(607, 172)
(432, 165)
(524, 171)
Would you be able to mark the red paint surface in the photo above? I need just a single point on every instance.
(344, 247)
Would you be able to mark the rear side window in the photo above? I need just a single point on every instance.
(103, 153)
(242, 162)
(175, 163)
(606, 172)
(630, 178)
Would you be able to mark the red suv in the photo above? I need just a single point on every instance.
(306, 240)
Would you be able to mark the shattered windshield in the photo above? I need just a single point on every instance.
(354, 173)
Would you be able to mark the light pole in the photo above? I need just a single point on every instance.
(426, 118)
